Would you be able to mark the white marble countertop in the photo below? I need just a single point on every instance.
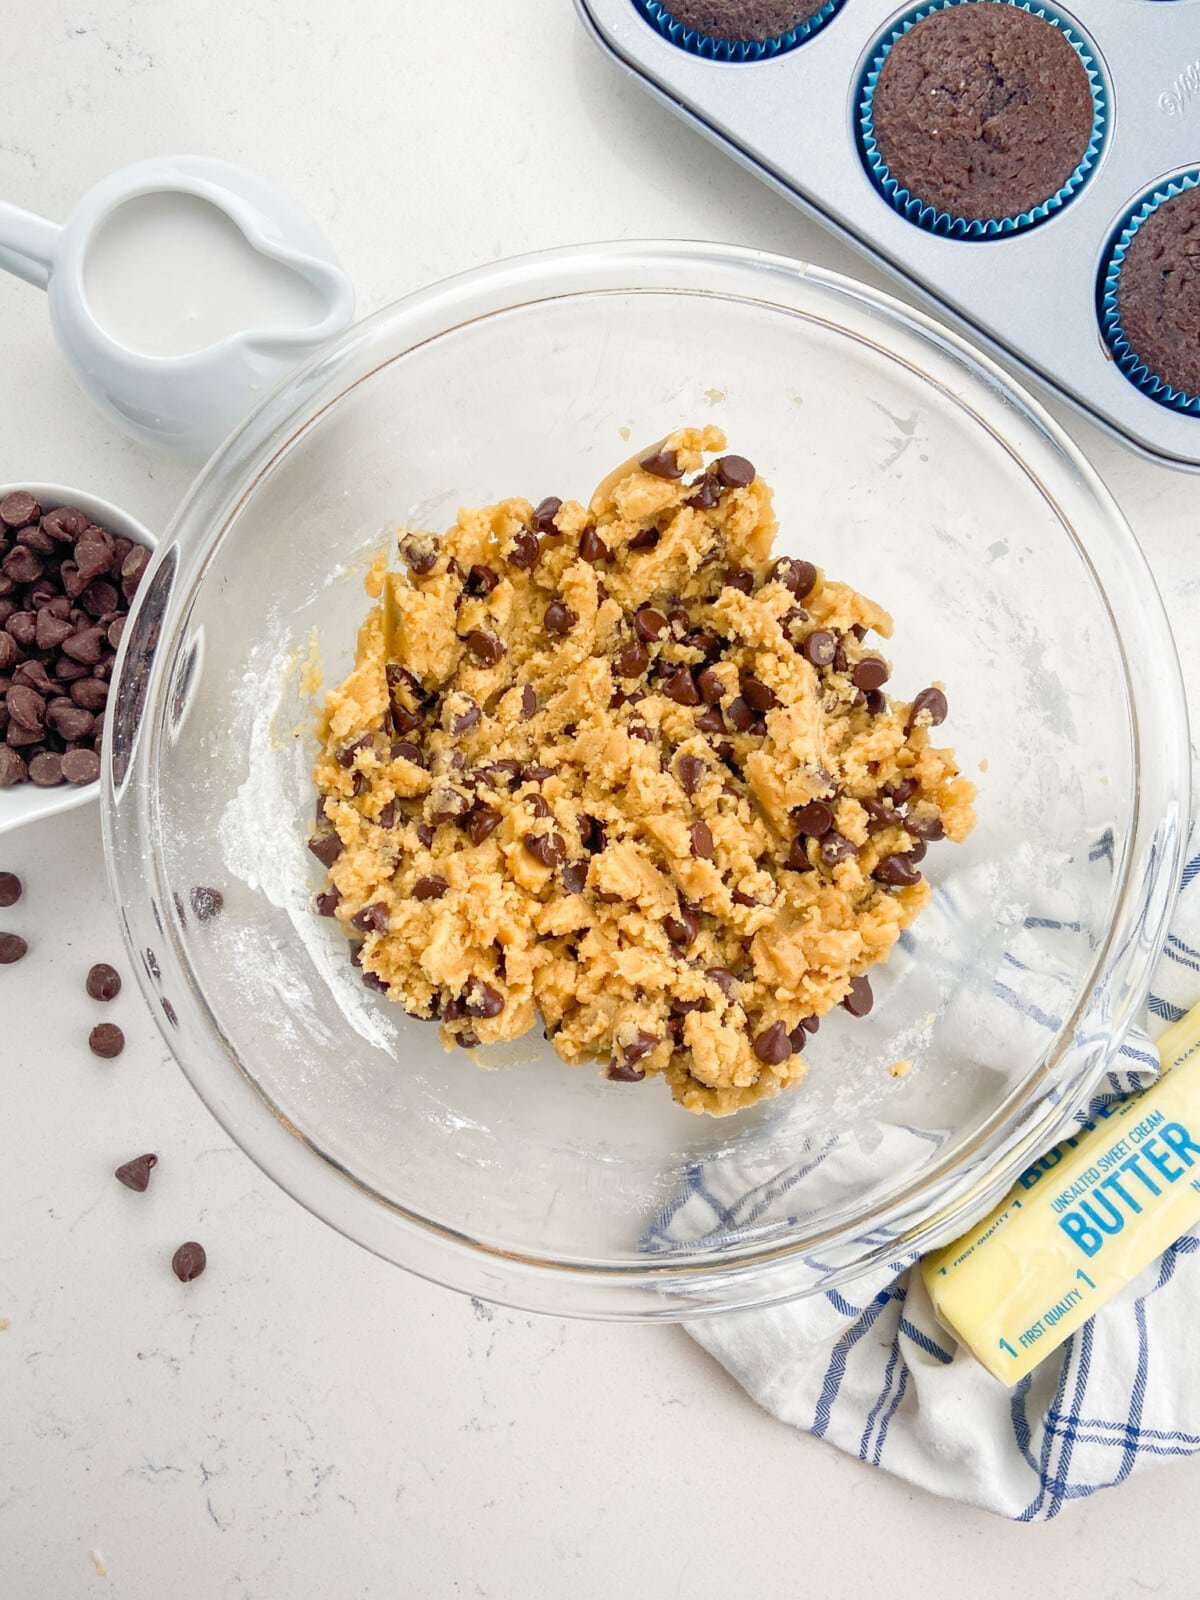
(304, 1420)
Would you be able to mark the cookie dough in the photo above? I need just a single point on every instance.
(615, 771)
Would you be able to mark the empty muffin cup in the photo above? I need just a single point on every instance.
(738, 30)
(1149, 294)
(979, 118)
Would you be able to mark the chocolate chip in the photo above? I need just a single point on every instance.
(637, 729)
(86, 646)
(733, 472)
(800, 577)
(840, 659)
(624, 1068)
(870, 673)
(929, 703)
(327, 847)
(481, 821)
(89, 693)
(859, 999)
(12, 948)
(620, 1072)
(502, 774)
(631, 660)
(649, 624)
(106, 1041)
(80, 766)
(835, 848)
(34, 538)
(548, 848)
(741, 579)
(45, 769)
(100, 598)
(897, 871)
(918, 851)
(702, 841)
(481, 1000)
(446, 803)
(559, 618)
(68, 720)
(592, 547)
(11, 888)
(925, 825)
(405, 750)
(646, 540)
(597, 837)
(22, 565)
(710, 720)
(902, 792)
(574, 877)
(26, 707)
(135, 1174)
(799, 1034)
(709, 684)
(820, 648)
(481, 580)
(189, 1261)
(429, 887)
(485, 647)
(12, 768)
(64, 524)
(327, 903)
(757, 694)
(816, 818)
(796, 859)
(19, 508)
(740, 714)
(707, 493)
(537, 774)
(682, 929)
(23, 628)
(525, 551)
(529, 703)
(662, 464)
(372, 980)
(50, 630)
(876, 702)
(881, 814)
(772, 1045)
(691, 773)
(460, 714)
(103, 982)
(537, 805)
(723, 978)
(680, 687)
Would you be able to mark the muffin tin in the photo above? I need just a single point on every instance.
(1034, 295)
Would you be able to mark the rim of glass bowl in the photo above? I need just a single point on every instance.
(918, 1212)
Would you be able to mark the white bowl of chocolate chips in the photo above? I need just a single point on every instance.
(70, 565)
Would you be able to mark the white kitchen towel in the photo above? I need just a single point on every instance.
(871, 1370)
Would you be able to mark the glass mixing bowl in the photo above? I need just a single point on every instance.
(902, 461)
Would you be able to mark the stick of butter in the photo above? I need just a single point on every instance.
(1080, 1223)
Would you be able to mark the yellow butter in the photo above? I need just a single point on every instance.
(1080, 1223)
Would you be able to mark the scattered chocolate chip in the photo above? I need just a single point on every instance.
(757, 694)
(481, 580)
(620, 1072)
(918, 851)
(835, 848)
(26, 706)
(106, 1041)
(925, 825)
(897, 871)
(631, 660)
(870, 673)
(876, 702)
(372, 980)
(709, 684)
(544, 514)
(881, 814)
(820, 648)
(485, 647)
(682, 929)
(706, 494)
(859, 999)
(135, 1174)
(12, 768)
(680, 687)
(702, 841)
(637, 729)
(45, 769)
(662, 464)
(816, 818)
(929, 703)
(481, 821)
(740, 898)
(691, 772)
(19, 508)
(89, 693)
(592, 547)
(405, 750)
(327, 902)
(574, 877)
(559, 618)
(649, 624)
(419, 552)
(12, 948)
(741, 579)
(548, 848)
(734, 472)
(459, 713)
(11, 888)
(525, 551)
(772, 1045)
(189, 1261)
(800, 577)
(372, 918)
(103, 982)
(327, 847)
(645, 540)
(723, 978)
(429, 887)
(481, 1000)
(79, 766)
(447, 803)
(740, 714)
(901, 793)
(796, 859)
(206, 903)
(710, 720)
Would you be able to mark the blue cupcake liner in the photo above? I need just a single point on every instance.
(1123, 353)
(928, 216)
(703, 44)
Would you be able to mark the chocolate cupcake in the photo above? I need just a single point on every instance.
(1150, 305)
(979, 117)
(738, 30)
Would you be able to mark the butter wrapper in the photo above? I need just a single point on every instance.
(1080, 1223)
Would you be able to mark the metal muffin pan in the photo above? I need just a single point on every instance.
(792, 119)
